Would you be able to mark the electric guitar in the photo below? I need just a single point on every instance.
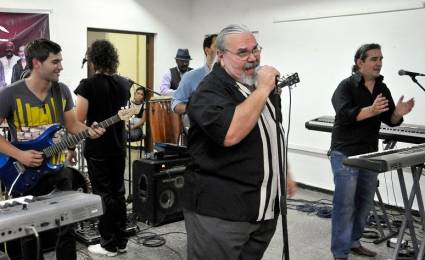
(20, 179)
(288, 81)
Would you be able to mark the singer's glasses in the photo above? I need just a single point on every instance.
(244, 54)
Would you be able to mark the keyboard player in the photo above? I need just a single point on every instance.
(361, 102)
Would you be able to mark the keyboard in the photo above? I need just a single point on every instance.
(407, 133)
(389, 159)
(46, 212)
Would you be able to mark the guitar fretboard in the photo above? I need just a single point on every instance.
(75, 139)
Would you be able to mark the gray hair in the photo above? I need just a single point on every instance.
(230, 29)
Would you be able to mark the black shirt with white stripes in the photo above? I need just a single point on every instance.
(238, 183)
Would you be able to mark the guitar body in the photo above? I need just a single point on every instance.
(10, 168)
(30, 177)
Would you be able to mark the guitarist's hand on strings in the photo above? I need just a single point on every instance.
(95, 131)
(30, 158)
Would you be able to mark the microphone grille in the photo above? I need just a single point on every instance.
(401, 72)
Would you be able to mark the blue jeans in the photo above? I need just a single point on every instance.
(352, 202)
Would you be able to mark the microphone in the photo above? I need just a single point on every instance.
(282, 82)
(131, 82)
(409, 73)
(83, 62)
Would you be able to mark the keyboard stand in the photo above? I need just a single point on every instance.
(380, 204)
(389, 144)
(408, 218)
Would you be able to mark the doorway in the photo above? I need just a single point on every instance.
(136, 53)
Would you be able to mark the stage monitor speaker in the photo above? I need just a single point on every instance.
(157, 185)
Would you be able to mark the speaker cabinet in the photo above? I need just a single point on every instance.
(157, 185)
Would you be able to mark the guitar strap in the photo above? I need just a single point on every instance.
(57, 97)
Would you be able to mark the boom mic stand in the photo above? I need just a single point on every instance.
(416, 81)
(282, 173)
(147, 88)
(130, 194)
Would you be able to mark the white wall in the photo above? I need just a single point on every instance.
(321, 51)
(69, 21)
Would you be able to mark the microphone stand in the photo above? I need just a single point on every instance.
(131, 82)
(416, 81)
(130, 195)
(282, 173)
(147, 88)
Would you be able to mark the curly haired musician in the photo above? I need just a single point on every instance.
(98, 98)
(30, 106)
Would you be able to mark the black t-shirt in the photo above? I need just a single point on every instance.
(106, 95)
(353, 137)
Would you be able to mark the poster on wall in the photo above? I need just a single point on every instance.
(16, 30)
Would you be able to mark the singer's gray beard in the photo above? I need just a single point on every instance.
(249, 80)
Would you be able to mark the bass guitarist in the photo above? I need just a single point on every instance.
(30, 106)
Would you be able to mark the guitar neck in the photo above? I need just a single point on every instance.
(72, 140)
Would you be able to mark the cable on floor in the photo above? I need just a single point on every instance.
(151, 239)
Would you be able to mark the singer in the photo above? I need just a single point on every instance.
(230, 198)
(361, 102)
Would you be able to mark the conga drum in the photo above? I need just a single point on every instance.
(165, 125)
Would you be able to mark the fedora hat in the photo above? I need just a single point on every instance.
(183, 54)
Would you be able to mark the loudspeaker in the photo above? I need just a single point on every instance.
(157, 184)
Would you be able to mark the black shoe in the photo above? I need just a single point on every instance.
(363, 251)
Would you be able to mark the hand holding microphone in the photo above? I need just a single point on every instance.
(266, 78)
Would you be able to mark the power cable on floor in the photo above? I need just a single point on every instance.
(322, 208)
(151, 239)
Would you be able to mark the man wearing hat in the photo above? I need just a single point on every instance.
(9, 61)
(170, 81)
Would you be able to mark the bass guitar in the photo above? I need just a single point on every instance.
(18, 179)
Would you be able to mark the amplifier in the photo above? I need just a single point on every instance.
(157, 185)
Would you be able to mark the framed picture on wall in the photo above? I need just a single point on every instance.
(16, 30)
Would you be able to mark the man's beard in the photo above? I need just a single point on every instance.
(249, 80)
(183, 68)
